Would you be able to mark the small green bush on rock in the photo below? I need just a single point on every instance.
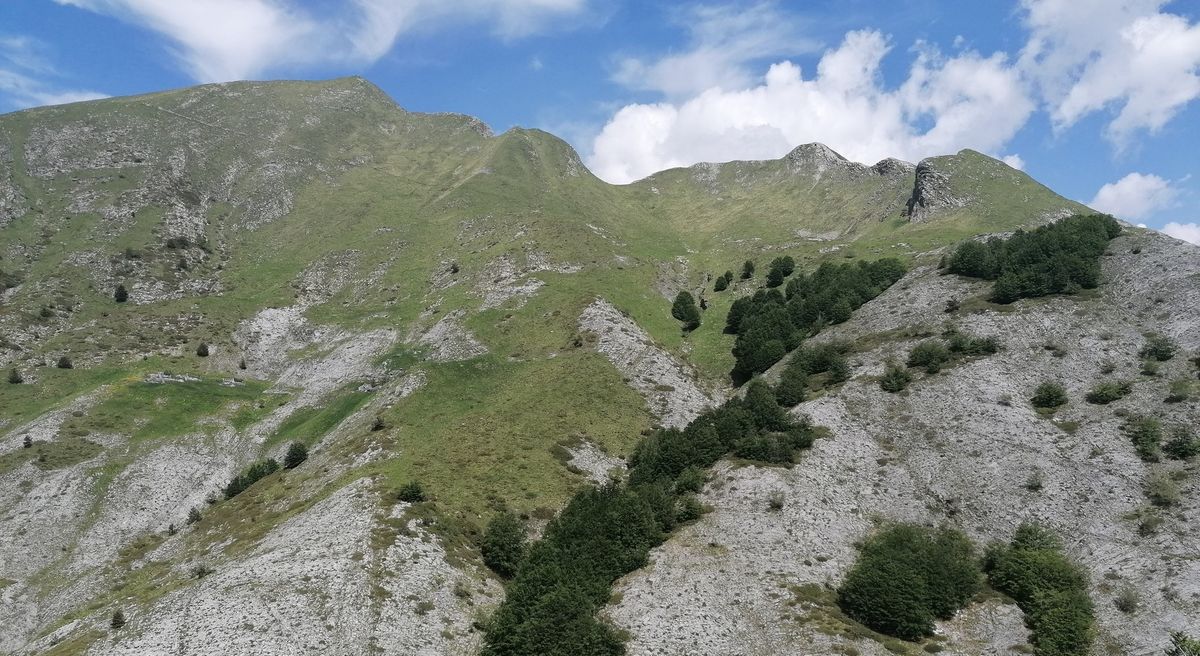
(1049, 395)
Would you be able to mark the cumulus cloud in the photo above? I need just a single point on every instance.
(221, 40)
(1014, 161)
(1135, 196)
(945, 103)
(1185, 231)
(1127, 56)
(28, 79)
(723, 41)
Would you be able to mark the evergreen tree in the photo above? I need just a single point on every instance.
(895, 378)
(121, 294)
(792, 383)
(747, 270)
(685, 310)
(503, 545)
(65, 363)
(118, 619)
(15, 377)
(721, 284)
(202, 350)
(193, 515)
(297, 453)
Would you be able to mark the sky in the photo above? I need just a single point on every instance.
(1100, 100)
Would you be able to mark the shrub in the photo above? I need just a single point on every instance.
(776, 500)
(1108, 391)
(65, 363)
(691, 479)
(684, 309)
(1182, 645)
(411, 492)
(747, 270)
(792, 383)
(930, 354)
(1127, 600)
(1062, 257)
(1158, 347)
(781, 268)
(1162, 491)
(1149, 367)
(503, 546)
(1146, 435)
(1049, 395)
(250, 476)
(1179, 391)
(895, 378)
(1182, 446)
(689, 509)
(961, 343)
(296, 454)
(193, 516)
(1049, 588)
(121, 294)
(202, 350)
(118, 619)
(906, 576)
(27, 442)
(15, 377)
(721, 284)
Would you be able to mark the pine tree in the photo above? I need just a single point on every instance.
(721, 284)
(792, 382)
(747, 270)
(118, 619)
(503, 546)
(685, 310)
(121, 294)
(14, 377)
(296, 454)
(193, 515)
(65, 363)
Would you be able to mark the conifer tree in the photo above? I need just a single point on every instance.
(121, 294)
(685, 310)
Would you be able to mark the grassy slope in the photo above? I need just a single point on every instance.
(438, 190)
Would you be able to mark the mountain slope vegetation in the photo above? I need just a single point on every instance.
(460, 326)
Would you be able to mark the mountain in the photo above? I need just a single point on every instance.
(419, 300)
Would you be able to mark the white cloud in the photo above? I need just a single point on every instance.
(1014, 161)
(1127, 56)
(945, 104)
(1185, 231)
(220, 40)
(28, 79)
(723, 41)
(1135, 196)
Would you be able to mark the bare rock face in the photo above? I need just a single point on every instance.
(668, 385)
(931, 193)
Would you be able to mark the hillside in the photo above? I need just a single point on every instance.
(417, 299)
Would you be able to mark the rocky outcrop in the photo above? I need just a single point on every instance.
(931, 193)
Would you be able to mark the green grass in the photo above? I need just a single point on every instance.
(309, 425)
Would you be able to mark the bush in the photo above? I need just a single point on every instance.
(721, 284)
(1182, 645)
(1109, 391)
(1049, 588)
(1127, 600)
(747, 270)
(1062, 257)
(1182, 446)
(65, 363)
(685, 310)
(961, 343)
(792, 383)
(193, 516)
(202, 350)
(503, 546)
(691, 479)
(930, 354)
(1049, 395)
(1162, 491)
(1146, 435)
(689, 509)
(118, 619)
(1179, 391)
(411, 492)
(296, 454)
(1158, 347)
(895, 378)
(250, 476)
(906, 576)
(121, 294)
(15, 377)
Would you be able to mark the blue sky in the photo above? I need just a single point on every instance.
(1102, 105)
